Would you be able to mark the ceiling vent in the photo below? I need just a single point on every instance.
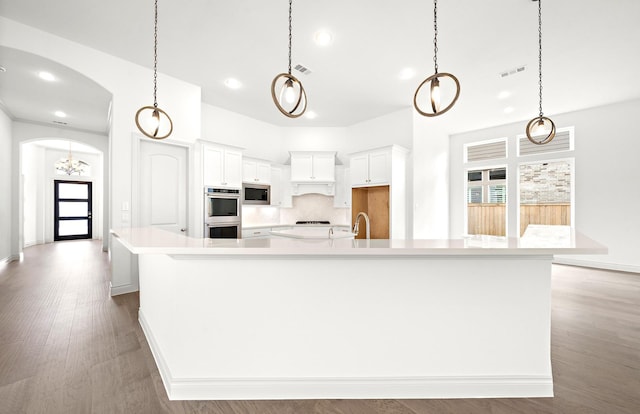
(59, 122)
(512, 72)
(303, 69)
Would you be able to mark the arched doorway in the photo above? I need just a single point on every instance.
(62, 183)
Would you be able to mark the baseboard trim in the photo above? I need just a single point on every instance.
(596, 265)
(343, 388)
(9, 259)
(122, 289)
(163, 368)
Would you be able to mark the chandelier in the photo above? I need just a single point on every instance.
(70, 166)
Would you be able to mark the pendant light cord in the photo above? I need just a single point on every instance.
(540, 53)
(155, 57)
(435, 35)
(290, 3)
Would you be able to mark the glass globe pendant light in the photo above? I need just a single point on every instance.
(540, 130)
(287, 91)
(151, 120)
(433, 81)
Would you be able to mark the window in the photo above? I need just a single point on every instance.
(486, 201)
(545, 193)
(538, 189)
(487, 150)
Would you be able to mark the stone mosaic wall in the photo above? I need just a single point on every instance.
(545, 183)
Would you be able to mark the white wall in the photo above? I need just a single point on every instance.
(33, 186)
(430, 162)
(394, 128)
(607, 199)
(259, 139)
(6, 168)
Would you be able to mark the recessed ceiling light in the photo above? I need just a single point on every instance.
(311, 115)
(508, 109)
(60, 114)
(407, 73)
(504, 95)
(233, 83)
(46, 76)
(3, 69)
(323, 38)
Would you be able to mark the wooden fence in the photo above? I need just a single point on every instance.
(490, 219)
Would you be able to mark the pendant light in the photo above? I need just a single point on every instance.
(540, 130)
(434, 80)
(286, 90)
(151, 120)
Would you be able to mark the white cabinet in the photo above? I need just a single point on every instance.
(342, 197)
(371, 168)
(317, 167)
(276, 186)
(262, 233)
(379, 188)
(256, 171)
(221, 166)
(281, 186)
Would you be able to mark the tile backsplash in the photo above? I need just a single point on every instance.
(305, 207)
(314, 207)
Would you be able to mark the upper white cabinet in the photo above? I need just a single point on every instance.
(313, 167)
(256, 171)
(371, 167)
(342, 197)
(221, 166)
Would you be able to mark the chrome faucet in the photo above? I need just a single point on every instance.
(356, 226)
(330, 232)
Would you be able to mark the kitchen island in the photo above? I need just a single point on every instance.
(337, 318)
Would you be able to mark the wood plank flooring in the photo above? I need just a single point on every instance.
(67, 347)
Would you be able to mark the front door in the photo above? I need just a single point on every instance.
(72, 210)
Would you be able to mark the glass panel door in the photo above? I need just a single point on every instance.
(72, 210)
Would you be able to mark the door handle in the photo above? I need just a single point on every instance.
(183, 230)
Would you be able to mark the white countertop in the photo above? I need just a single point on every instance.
(313, 233)
(541, 240)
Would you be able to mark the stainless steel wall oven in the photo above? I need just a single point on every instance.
(222, 213)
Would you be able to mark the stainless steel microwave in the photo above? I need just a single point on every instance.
(256, 194)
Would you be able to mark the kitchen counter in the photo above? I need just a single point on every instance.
(301, 318)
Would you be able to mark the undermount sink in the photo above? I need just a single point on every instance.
(313, 233)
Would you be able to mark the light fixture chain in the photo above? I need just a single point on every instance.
(540, 52)
(435, 35)
(290, 37)
(155, 57)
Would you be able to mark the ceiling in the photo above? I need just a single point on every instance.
(590, 54)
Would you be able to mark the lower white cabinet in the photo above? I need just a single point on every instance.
(262, 233)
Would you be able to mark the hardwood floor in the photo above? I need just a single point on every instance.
(67, 347)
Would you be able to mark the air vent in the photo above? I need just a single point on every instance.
(59, 122)
(303, 69)
(512, 72)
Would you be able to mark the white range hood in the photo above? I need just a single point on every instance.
(298, 189)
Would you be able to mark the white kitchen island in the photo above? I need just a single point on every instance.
(336, 318)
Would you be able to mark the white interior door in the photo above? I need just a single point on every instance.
(163, 186)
